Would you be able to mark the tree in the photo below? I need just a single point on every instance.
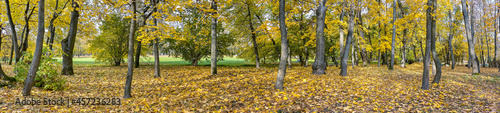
(213, 65)
(254, 37)
(319, 66)
(111, 45)
(155, 43)
(130, 72)
(2, 74)
(430, 33)
(391, 66)
(450, 39)
(470, 40)
(192, 42)
(14, 33)
(345, 55)
(284, 47)
(30, 79)
(52, 28)
(68, 44)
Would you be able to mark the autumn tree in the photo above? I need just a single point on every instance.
(130, 72)
(347, 45)
(213, 31)
(68, 43)
(319, 66)
(13, 31)
(391, 66)
(470, 40)
(284, 47)
(30, 79)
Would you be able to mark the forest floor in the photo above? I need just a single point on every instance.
(245, 89)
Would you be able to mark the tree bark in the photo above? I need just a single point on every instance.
(319, 65)
(391, 66)
(11, 53)
(130, 72)
(213, 64)
(137, 54)
(437, 62)
(470, 39)
(430, 32)
(450, 40)
(341, 30)
(345, 56)
(2, 74)
(284, 46)
(254, 38)
(364, 54)
(68, 44)
(35, 63)
(155, 44)
(14, 33)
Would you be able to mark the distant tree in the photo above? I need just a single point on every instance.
(192, 42)
(213, 46)
(111, 45)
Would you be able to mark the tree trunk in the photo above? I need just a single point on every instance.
(213, 61)
(289, 58)
(345, 56)
(450, 40)
(319, 65)
(353, 54)
(11, 53)
(470, 39)
(130, 72)
(137, 54)
(364, 54)
(2, 74)
(68, 44)
(391, 66)
(30, 78)
(403, 56)
(429, 34)
(117, 63)
(496, 41)
(341, 30)
(155, 44)
(254, 38)
(284, 46)
(437, 62)
(14, 33)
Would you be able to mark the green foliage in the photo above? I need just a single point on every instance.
(47, 76)
(194, 42)
(111, 46)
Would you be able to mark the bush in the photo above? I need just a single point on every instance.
(47, 76)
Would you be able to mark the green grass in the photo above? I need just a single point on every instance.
(228, 61)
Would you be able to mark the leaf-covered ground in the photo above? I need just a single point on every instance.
(245, 89)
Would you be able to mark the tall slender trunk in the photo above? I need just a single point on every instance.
(470, 38)
(430, 32)
(130, 72)
(364, 55)
(289, 59)
(391, 66)
(341, 31)
(30, 78)
(137, 54)
(254, 38)
(155, 44)
(450, 40)
(319, 65)
(403, 56)
(496, 40)
(343, 70)
(14, 33)
(68, 44)
(435, 57)
(284, 46)
(353, 54)
(213, 61)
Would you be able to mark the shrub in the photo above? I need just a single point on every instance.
(47, 76)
